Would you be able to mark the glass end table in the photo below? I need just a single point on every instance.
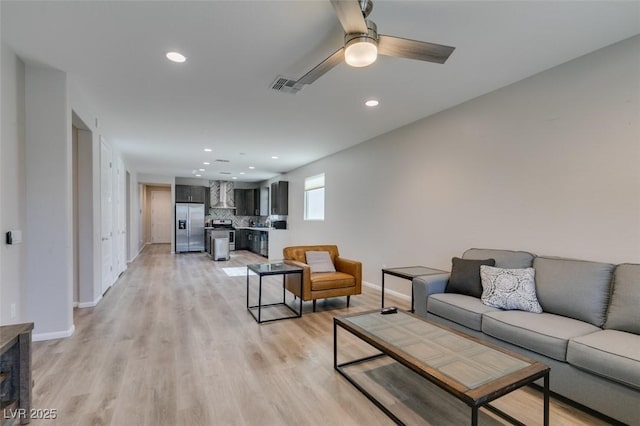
(266, 269)
(409, 273)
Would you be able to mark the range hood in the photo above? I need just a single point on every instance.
(224, 191)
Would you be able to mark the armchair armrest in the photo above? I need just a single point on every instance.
(351, 267)
(306, 279)
(426, 285)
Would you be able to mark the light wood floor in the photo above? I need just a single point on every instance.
(173, 344)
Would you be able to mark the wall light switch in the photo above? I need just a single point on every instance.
(14, 237)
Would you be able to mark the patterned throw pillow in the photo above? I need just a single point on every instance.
(509, 288)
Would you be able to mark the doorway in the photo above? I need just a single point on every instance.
(160, 216)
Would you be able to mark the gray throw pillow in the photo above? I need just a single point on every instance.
(509, 289)
(465, 276)
(320, 261)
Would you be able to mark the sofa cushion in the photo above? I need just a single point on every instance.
(509, 288)
(331, 280)
(624, 308)
(320, 261)
(573, 288)
(465, 276)
(459, 308)
(609, 353)
(547, 334)
(504, 258)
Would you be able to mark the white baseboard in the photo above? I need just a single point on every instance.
(388, 291)
(90, 304)
(38, 337)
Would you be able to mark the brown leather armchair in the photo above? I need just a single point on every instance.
(347, 279)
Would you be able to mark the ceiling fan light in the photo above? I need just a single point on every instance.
(360, 52)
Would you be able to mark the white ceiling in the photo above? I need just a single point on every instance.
(162, 115)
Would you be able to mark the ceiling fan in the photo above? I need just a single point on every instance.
(362, 44)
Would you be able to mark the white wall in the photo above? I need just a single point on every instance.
(36, 196)
(48, 236)
(12, 187)
(548, 165)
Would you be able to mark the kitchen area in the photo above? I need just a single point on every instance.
(228, 216)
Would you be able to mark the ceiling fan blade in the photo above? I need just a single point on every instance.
(350, 16)
(336, 58)
(413, 49)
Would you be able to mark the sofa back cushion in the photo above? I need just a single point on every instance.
(573, 288)
(504, 258)
(299, 253)
(624, 309)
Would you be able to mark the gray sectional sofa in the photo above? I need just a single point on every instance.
(588, 333)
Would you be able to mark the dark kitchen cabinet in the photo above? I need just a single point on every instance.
(280, 198)
(242, 239)
(191, 194)
(240, 197)
(247, 202)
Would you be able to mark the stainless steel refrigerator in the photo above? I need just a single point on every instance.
(189, 227)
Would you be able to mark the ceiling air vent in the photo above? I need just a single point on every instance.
(225, 173)
(219, 160)
(283, 84)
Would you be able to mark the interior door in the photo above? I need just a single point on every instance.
(161, 216)
(106, 208)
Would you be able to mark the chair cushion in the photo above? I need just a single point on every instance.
(547, 334)
(459, 308)
(509, 288)
(331, 280)
(504, 258)
(465, 276)
(320, 261)
(609, 353)
(573, 288)
(624, 310)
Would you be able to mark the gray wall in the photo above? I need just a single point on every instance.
(49, 238)
(12, 185)
(549, 165)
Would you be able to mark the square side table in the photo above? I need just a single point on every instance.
(266, 269)
(409, 273)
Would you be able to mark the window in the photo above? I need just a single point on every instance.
(314, 198)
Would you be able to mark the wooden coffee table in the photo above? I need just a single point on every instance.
(473, 371)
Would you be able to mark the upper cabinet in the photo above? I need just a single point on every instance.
(280, 198)
(247, 202)
(192, 194)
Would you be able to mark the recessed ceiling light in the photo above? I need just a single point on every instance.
(234, 177)
(372, 103)
(206, 163)
(202, 170)
(207, 150)
(275, 157)
(198, 175)
(176, 57)
(241, 173)
(251, 167)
